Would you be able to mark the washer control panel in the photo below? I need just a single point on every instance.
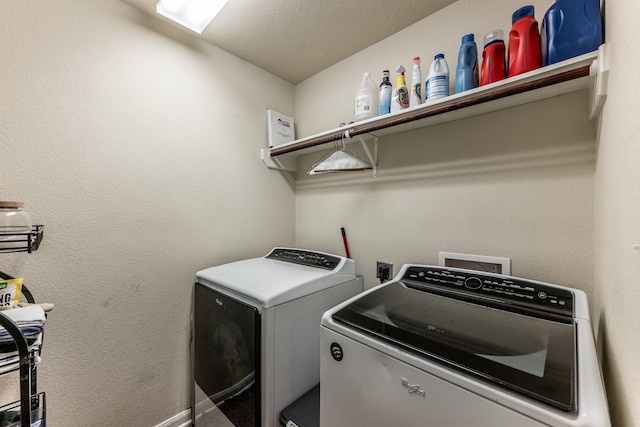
(503, 289)
(308, 258)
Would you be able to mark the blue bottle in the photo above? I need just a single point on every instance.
(467, 71)
(570, 28)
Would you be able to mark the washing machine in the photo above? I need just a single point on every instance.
(440, 346)
(256, 333)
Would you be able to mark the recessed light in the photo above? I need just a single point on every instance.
(193, 14)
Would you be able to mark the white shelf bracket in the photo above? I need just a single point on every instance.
(599, 78)
(283, 163)
(373, 158)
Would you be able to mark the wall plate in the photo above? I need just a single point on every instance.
(489, 264)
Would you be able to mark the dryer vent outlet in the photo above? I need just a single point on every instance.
(384, 271)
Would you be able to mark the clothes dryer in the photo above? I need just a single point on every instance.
(256, 333)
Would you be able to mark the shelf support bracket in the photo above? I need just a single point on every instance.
(283, 163)
(599, 78)
(373, 157)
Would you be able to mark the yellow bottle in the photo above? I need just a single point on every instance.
(400, 98)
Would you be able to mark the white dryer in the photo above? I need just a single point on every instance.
(256, 333)
(440, 346)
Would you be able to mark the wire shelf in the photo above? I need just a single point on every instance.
(10, 413)
(22, 242)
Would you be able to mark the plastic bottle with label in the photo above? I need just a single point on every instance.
(384, 94)
(437, 83)
(493, 58)
(400, 98)
(467, 70)
(570, 28)
(524, 42)
(415, 98)
(365, 104)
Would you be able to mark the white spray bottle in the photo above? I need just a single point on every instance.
(415, 98)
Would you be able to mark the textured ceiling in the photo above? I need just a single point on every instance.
(295, 39)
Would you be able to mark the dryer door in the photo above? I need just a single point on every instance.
(226, 360)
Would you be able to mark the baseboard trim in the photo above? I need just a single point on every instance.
(183, 419)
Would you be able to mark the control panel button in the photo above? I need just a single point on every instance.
(473, 283)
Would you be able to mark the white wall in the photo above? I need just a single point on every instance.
(515, 183)
(130, 142)
(487, 186)
(137, 147)
(617, 225)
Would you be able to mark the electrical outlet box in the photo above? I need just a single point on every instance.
(384, 270)
(489, 264)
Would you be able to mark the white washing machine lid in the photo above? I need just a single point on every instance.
(514, 332)
(283, 275)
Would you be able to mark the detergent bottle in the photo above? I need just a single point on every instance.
(570, 28)
(400, 98)
(365, 103)
(467, 70)
(437, 83)
(524, 42)
(415, 98)
(493, 62)
(384, 94)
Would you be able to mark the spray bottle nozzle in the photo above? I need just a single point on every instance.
(400, 69)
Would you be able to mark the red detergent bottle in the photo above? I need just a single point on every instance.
(524, 42)
(493, 58)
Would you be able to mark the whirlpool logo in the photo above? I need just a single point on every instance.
(412, 388)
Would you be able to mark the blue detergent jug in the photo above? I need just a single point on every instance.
(570, 28)
(467, 71)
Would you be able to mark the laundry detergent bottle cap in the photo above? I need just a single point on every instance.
(493, 58)
(523, 12)
(524, 52)
(415, 97)
(437, 82)
(493, 37)
(365, 103)
(467, 38)
(467, 70)
(400, 98)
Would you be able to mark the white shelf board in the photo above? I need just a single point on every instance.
(553, 80)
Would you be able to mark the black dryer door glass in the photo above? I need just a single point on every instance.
(531, 355)
(226, 359)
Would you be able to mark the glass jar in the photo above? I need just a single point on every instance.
(13, 219)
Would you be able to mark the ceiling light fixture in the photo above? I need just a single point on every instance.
(193, 14)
